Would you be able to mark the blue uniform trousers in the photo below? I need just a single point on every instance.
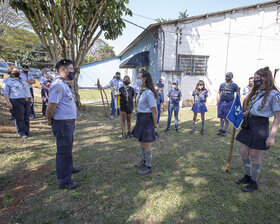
(113, 109)
(172, 107)
(158, 109)
(44, 106)
(63, 130)
(20, 112)
(32, 112)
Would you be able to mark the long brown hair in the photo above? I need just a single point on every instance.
(197, 89)
(266, 74)
(149, 84)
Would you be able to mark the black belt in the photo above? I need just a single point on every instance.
(25, 99)
(70, 120)
(256, 117)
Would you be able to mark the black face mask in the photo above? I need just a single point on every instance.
(258, 83)
(118, 78)
(228, 79)
(25, 72)
(16, 74)
(126, 82)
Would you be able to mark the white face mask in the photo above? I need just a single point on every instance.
(174, 86)
(139, 82)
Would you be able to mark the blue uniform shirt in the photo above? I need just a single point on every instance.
(27, 77)
(202, 96)
(272, 104)
(61, 94)
(116, 84)
(15, 89)
(146, 102)
(174, 96)
(160, 85)
(43, 80)
(227, 91)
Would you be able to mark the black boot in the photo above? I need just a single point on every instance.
(252, 186)
(245, 180)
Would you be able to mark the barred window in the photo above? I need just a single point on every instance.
(192, 64)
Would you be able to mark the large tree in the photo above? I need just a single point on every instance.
(69, 28)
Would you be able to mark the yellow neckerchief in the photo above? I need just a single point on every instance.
(141, 91)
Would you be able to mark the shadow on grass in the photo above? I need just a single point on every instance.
(188, 183)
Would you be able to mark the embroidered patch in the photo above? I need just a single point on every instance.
(58, 90)
(259, 108)
(278, 97)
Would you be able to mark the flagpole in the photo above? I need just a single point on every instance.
(231, 144)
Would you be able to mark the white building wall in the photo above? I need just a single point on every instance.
(240, 42)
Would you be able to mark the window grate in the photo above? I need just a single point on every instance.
(193, 65)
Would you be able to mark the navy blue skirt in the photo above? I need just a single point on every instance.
(144, 129)
(255, 136)
(199, 108)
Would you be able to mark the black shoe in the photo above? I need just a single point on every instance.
(129, 135)
(202, 132)
(70, 186)
(252, 186)
(141, 163)
(220, 132)
(11, 118)
(224, 133)
(76, 170)
(177, 130)
(145, 170)
(166, 130)
(245, 180)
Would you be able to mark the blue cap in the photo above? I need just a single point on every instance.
(229, 74)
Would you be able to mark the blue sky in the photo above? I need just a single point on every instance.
(169, 9)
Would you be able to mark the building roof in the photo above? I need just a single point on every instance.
(155, 26)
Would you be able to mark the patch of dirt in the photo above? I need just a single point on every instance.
(19, 190)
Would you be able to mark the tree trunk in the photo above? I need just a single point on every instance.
(76, 89)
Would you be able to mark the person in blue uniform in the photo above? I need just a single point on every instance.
(200, 95)
(161, 92)
(159, 102)
(225, 99)
(174, 97)
(126, 94)
(18, 98)
(30, 80)
(146, 122)
(262, 102)
(43, 81)
(115, 84)
(61, 115)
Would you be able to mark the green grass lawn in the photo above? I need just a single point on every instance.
(188, 183)
(93, 94)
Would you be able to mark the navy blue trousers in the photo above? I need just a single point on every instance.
(64, 133)
(20, 112)
(44, 106)
(113, 109)
(32, 112)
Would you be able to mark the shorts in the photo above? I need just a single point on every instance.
(224, 108)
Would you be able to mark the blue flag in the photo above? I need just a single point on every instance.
(235, 115)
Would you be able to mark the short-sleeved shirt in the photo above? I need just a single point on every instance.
(61, 94)
(126, 97)
(15, 89)
(174, 96)
(116, 84)
(146, 102)
(43, 80)
(160, 85)
(227, 91)
(272, 104)
(27, 77)
(203, 94)
(246, 91)
(137, 89)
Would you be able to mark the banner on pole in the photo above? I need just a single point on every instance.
(235, 115)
